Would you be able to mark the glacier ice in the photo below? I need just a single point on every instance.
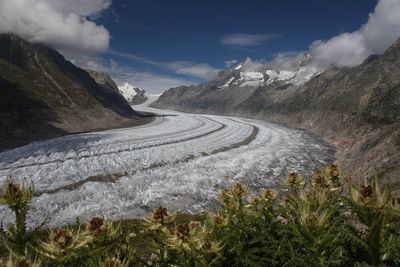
(179, 160)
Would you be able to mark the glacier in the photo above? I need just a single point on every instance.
(179, 160)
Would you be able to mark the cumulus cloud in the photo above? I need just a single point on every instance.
(247, 40)
(374, 37)
(63, 24)
(287, 61)
(79, 7)
(251, 65)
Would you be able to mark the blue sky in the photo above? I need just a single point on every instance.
(193, 31)
(158, 44)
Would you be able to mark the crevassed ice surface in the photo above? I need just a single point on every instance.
(179, 160)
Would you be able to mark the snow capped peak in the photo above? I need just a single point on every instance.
(282, 70)
(127, 85)
(128, 91)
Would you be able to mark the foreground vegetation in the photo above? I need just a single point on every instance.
(320, 221)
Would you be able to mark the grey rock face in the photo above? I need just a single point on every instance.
(103, 79)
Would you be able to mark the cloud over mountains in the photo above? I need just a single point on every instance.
(63, 24)
(374, 37)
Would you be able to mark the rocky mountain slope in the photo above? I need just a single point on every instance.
(233, 86)
(356, 109)
(103, 79)
(43, 95)
(134, 95)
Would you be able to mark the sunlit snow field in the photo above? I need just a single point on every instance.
(179, 160)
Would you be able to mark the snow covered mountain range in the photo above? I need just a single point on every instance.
(356, 109)
(257, 74)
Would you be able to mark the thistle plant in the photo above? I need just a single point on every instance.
(315, 223)
(65, 246)
(160, 218)
(105, 235)
(184, 244)
(18, 197)
(377, 214)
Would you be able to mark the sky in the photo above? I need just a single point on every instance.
(160, 44)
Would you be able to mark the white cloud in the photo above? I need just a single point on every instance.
(149, 81)
(244, 40)
(63, 24)
(374, 37)
(198, 70)
(193, 69)
(287, 61)
(79, 7)
(251, 65)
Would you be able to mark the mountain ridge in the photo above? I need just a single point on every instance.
(44, 95)
(356, 109)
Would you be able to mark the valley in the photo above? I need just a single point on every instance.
(179, 160)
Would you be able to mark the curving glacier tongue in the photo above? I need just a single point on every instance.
(180, 161)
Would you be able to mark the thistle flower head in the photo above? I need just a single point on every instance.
(62, 238)
(370, 195)
(213, 247)
(187, 236)
(319, 180)
(217, 220)
(225, 196)
(159, 218)
(239, 190)
(12, 190)
(160, 214)
(16, 194)
(102, 230)
(64, 243)
(96, 225)
(269, 194)
(294, 180)
(230, 196)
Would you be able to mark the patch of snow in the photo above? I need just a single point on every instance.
(128, 91)
(238, 67)
(251, 78)
(304, 74)
(227, 83)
